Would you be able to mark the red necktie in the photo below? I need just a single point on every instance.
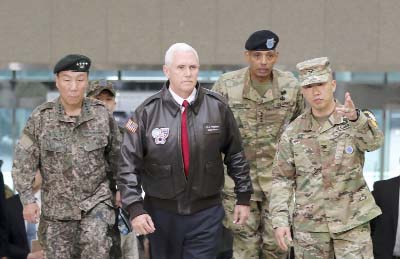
(185, 139)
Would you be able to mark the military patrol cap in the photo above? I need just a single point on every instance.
(313, 71)
(262, 40)
(73, 62)
(97, 86)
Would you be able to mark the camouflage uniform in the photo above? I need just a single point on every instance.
(129, 246)
(71, 154)
(123, 246)
(261, 120)
(322, 166)
(319, 245)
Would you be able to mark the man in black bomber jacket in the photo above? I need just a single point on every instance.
(182, 174)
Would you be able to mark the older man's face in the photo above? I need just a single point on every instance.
(72, 86)
(182, 73)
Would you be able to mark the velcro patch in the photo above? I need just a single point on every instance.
(371, 118)
(131, 126)
(25, 141)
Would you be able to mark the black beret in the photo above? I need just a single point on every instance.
(73, 62)
(262, 40)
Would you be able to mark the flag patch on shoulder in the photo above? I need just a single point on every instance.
(131, 126)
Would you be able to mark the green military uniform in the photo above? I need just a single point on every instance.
(94, 89)
(320, 161)
(322, 166)
(261, 120)
(72, 154)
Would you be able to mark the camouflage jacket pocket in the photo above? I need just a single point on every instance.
(95, 143)
(53, 153)
(54, 145)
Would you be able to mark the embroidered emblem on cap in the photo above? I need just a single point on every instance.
(131, 126)
(270, 43)
(160, 135)
(82, 64)
(349, 150)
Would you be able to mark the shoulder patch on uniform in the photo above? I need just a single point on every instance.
(25, 141)
(45, 106)
(371, 117)
(286, 76)
(131, 126)
(234, 75)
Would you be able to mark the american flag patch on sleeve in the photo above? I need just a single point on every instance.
(131, 126)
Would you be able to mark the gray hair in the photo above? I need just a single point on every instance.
(178, 47)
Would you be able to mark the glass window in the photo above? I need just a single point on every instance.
(8, 138)
(368, 77)
(35, 75)
(342, 76)
(393, 77)
(6, 144)
(5, 75)
(47, 75)
(209, 75)
(158, 75)
(143, 75)
(103, 74)
(392, 138)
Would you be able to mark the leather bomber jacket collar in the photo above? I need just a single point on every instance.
(173, 107)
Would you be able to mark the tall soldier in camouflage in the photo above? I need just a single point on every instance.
(320, 161)
(70, 140)
(264, 101)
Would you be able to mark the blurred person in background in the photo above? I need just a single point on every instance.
(124, 243)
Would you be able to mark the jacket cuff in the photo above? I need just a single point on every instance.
(135, 209)
(360, 122)
(280, 221)
(243, 198)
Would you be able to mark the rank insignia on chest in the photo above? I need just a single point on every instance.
(160, 135)
(343, 126)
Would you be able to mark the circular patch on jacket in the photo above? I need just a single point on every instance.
(349, 150)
